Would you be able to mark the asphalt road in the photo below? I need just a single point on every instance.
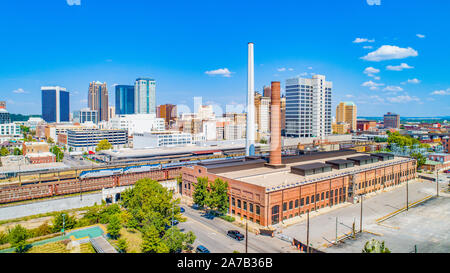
(212, 233)
(323, 226)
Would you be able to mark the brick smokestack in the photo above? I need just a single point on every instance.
(275, 125)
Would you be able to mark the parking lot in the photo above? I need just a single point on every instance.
(426, 227)
(323, 225)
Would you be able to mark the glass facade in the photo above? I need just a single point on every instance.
(124, 99)
(5, 118)
(64, 106)
(145, 96)
(49, 105)
(55, 104)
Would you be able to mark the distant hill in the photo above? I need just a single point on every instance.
(20, 117)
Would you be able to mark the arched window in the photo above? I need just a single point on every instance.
(275, 214)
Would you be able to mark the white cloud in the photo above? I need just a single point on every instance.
(221, 71)
(363, 40)
(73, 2)
(393, 88)
(349, 96)
(372, 85)
(304, 74)
(421, 36)
(376, 99)
(20, 91)
(291, 69)
(371, 71)
(310, 68)
(388, 52)
(441, 92)
(403, 99)
(281, 69)
(368, 47)
(412, 81)
(399, 67)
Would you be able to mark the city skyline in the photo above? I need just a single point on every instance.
(399, 69)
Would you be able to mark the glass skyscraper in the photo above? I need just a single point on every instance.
(145, 96)
(55, 104)
(124, 99)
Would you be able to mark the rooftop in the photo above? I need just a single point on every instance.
(275, 179)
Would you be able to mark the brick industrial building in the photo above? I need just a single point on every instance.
(266, 196)
(269, 190)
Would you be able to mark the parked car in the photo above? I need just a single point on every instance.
(181, 209)
(202, 249)
(209, 216)
(235, 235)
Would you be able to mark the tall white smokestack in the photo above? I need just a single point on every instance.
(250, 143)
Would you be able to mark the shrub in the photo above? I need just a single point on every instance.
(227, 218)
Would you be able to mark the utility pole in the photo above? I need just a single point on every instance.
(361, 217)
(307, 232)
(336, 241)
(246, 236)
(407, 201)
(437, 182)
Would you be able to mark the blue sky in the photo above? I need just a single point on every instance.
(388, 57)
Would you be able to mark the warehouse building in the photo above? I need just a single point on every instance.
(266, 195)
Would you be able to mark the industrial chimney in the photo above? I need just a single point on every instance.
(250, 141)
(275, 127)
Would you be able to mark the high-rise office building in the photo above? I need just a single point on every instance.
(98, 99)
(308, 107)
(346, 112)
(124, 99)
(5, 117)
(267, 91)
(55, 104)
(145, 96)
(86, 115)
(391, 120)
(168, 112)
(262, 106)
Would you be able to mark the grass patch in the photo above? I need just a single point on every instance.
(228, 218)
(61, 247)
(133, 238)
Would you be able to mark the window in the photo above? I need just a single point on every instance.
(257, 210)
(239, 203)
(284, 206)
(331, 193)
(245, 205)
(296, 203)
(312, 198)
(233, 201)
(327, 195)
(317, 197)
(302, 202)
(307, 200)
(251, 207)
(322, 196)
(291, 205)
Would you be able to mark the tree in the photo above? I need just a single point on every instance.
(148, 202)
(177, 241)
(200, 195)
(151, 242)
(218, 198)
(58, 153)
(374, 246)
(420, 159)
(3, 238)
(63, 219)
(122, 245)
(4, 151)
(114, 226)
(103, 145)
(18, 238)
(17, 151)
(50, 140)
(263, 141)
